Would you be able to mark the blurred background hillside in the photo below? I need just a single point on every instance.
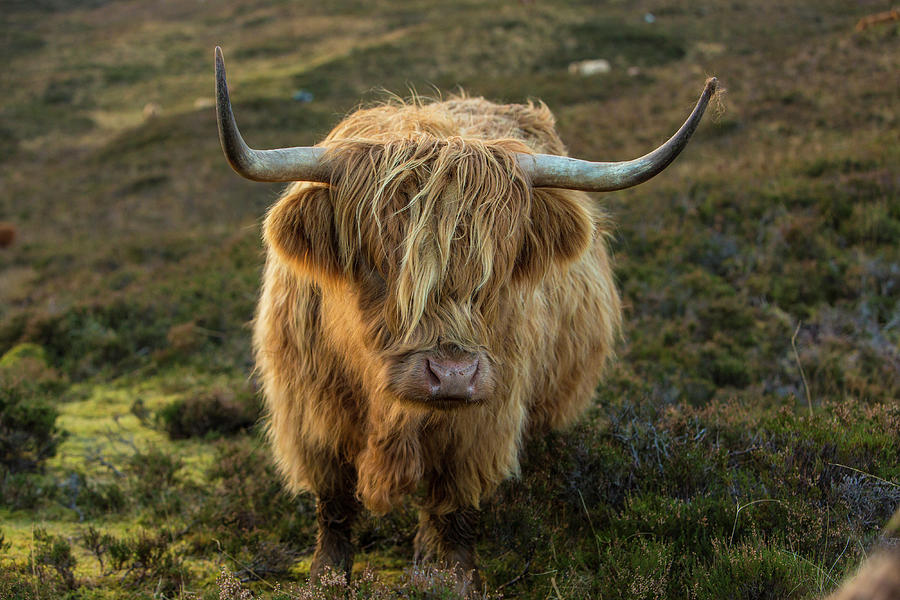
(747, 443)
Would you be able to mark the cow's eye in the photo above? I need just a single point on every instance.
(376, 279)
(372, 285)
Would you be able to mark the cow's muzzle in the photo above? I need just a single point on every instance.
(450, 379)
(444, 380)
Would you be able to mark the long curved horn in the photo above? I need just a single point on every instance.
(547, 170)
(281, 164)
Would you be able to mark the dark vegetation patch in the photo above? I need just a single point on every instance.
(16, 41)
(249, 516)
(128, 74)
(70, 91)
(52, 5)
(87, 341)
(210, 413)
(28, 432)
(9, 145)
(269, 47)
(32, 119)
(627, 44)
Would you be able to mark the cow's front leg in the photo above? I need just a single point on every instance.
(449, 540)
(336, 511)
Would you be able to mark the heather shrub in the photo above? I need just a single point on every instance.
(155, 481)
(210, 413)
(417, 583)
(142, 557)
(28, 432)
(53, 554)
(19, 582)
(753, 570)
(95, 496)
(248, 514)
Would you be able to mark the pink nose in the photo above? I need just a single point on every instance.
(451, 379)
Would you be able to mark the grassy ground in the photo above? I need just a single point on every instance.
(747, 443)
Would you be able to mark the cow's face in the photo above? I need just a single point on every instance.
(431, 248)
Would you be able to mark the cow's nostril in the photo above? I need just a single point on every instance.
(431, 375)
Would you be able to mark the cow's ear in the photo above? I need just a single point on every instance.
(300, 229)
(559, 231)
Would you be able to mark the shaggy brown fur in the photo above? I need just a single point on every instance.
(7, 234)
(428, 239)
(878, 579)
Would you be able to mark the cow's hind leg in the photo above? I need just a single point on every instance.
(336, 511)
(449, 540)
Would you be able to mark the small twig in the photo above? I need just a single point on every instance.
(834, 564)
(741, 452)
(800, 366)
(753, 446)
(33, 566)
(862, 550)
(127, 573)
(113, 436)
(812, 564)
(94, 455)
(550, 572)
(656, 445)
(521, 575)
(591, 523)
(790, 594)
(891, 483)
(244, 565)
(556, 588)
(110, 466)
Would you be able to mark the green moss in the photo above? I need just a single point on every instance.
(28, 352)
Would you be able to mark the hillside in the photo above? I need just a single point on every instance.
(746, 443)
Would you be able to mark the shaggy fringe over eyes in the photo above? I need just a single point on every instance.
(436, 217)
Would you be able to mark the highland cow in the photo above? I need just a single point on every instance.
(434, 292)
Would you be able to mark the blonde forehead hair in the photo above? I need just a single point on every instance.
(440, 218)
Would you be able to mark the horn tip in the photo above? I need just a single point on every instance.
(712, 83)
